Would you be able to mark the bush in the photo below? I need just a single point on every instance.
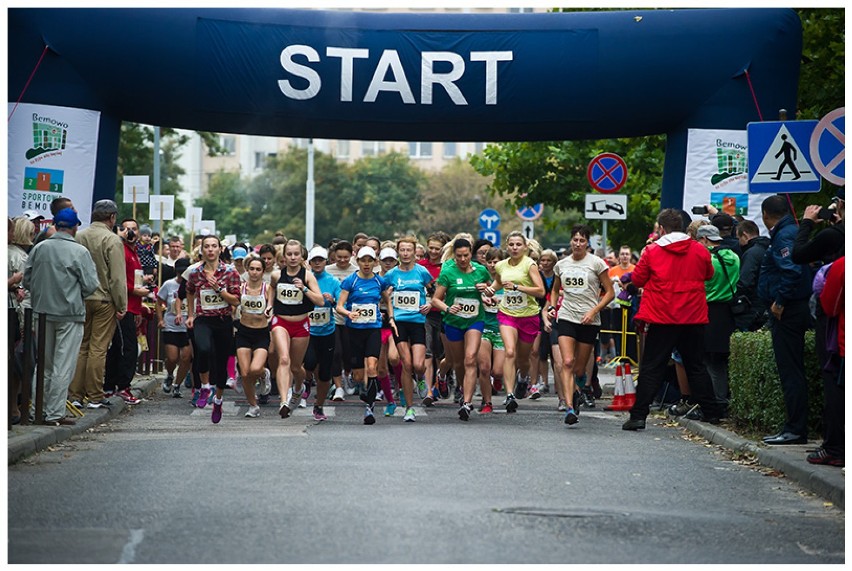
(757, 403)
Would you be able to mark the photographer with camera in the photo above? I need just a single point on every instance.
(122, 354)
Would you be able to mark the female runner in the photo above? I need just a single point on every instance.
(252, 338)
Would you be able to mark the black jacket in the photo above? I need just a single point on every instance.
(825, 247)
(752, 257)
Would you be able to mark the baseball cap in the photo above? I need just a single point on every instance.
(710, 232)
(366, 251)
(387, 253)
(723, 221)
(240, 253)
(318, 252)
(33, 215)
(66, 218)
(181, 264)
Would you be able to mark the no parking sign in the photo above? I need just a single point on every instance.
(828, 147)
(607, 173)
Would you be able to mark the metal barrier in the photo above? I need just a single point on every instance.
(622, 357)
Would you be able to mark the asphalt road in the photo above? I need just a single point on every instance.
(162, 484)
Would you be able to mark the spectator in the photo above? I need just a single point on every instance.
(16, 296)
(20, 243)
(825, 247)
(785, 287)
(833, 450)
(56, 205)
(58, 290)
(726, 223)
(122, 354)
(106, 305)
(611, 317)
(720, 293)
(145, 250)
(672, 272)
(754, 247)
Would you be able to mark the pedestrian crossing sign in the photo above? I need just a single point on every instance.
(779, 158)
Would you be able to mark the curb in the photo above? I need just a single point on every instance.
(825, 481)
(24, 441)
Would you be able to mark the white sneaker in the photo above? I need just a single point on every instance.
(238, 383)
(266, 382)
(230, 383)
(409, 415)
(561, 407)
(349, 384)
(294, 400)
(303, 403)
(253, 412)
(338, 394)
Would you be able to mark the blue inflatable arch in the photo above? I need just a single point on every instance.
(411, 77)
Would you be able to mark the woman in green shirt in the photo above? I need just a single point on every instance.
(458, 294)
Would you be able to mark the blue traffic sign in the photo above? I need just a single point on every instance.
(530, 212)
(489, 219)
(779, 157)
(492, 235)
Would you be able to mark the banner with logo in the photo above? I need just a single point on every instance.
(52, 153)
(717, 174)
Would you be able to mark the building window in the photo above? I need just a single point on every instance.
(260, 160)
(342, 149)
(420, 150)
(450, 150)
(372, 148)
(229, 144)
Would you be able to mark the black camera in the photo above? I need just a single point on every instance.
(700, 210)
(826, 214)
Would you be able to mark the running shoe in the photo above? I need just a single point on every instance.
(303, 403)
(167, 385)
(369, 418)
(295, 401)
(170, 378)
(109, 393)
(253, 412)
(680, 408)
(263, 399)
(98, 403)
(380, 395)
(217, 413)
(128, 397)
(338, 395)
(428, 401)
(443, 388)
(284, 410)
(238, 383)
(230, 383)
(187, 380)
(571, 416)
(575, 402)
(496, 385)
(370, 394)
(588, 399)
(176, 394)
(422, 389)
(390, 409)
(521, 389)
(203, 397)
(545, 389)
(401, 397)
(458, 397)
(318, 414)
(535, 394)
(510, 403)
(464, 411)
(561, 407)
(486, 408)
(77, 403)
(823, 457)
(409, 415)
(195, 395)
(349, 384)
(266, 382)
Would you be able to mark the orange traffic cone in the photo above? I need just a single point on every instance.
(618, 398)
(629, 387)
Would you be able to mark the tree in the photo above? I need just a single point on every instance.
(226, 203)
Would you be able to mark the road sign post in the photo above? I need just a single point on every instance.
(779, 158)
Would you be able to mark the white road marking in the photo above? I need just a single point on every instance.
(128, 553)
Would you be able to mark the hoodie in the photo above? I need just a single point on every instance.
(672, 272)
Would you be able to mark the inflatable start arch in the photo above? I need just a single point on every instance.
(414, 77)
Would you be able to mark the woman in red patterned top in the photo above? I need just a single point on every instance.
(211, 291)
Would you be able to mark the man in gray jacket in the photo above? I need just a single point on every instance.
(60, 273)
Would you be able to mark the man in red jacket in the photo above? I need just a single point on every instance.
(672, 272)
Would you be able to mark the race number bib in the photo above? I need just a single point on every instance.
(138, 278)
(320, 316)
(514, 300)
(210, 300)
(288, 294)
(574, 280)
(367, 312)
(252, 304)
(468, 308)
(498, 299)
(406, 300)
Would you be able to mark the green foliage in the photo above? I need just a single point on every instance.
(757, 403)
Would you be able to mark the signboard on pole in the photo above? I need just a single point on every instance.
(779, 158)
(491, 235)
(828, 147)
(161, 207)
(606, 207)
(136, 189)
(607, 173)
(528, 229)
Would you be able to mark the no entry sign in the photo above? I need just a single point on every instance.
(607, 173)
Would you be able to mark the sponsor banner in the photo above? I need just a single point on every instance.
(717, 174)
(52, 153)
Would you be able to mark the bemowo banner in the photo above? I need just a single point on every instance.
(717, 174)
(52, 153)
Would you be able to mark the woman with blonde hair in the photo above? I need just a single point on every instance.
(518, 310)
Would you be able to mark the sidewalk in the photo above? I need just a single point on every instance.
(825, 481)
(26, 440)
